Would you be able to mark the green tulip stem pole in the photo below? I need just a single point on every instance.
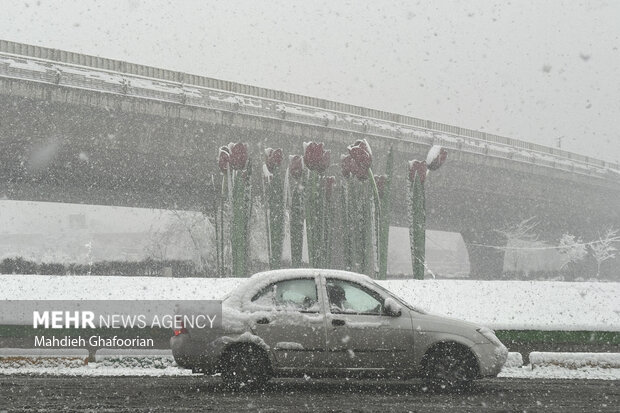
(216, 221)
(247, 197)
(352, 213)
(267, 228)
(297, 225)
(238, 226)
(374, 243)
(220, 224)
(329, 230)
(356, 215)
(276, 218)
(367, 223)
(384, 227)
(241, 211)
(311, 214)
(320, 244)
(345, 200)
(317, 223)
(417, 229)
(327, 218)
(362, 219)
(227, 250)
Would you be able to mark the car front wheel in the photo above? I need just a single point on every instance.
(450, 368)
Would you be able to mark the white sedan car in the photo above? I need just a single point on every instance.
(314, 322)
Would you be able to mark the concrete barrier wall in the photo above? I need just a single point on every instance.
(575, 360)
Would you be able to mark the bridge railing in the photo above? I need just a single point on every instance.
(73, 69)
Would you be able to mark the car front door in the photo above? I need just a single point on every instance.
(360, 333)
(290, 318)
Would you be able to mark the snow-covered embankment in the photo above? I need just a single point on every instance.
(505, 305)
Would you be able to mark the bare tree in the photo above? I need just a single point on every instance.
(519, 235)
(522, 231)
(187, 233)
(604, 249)
(572, 249)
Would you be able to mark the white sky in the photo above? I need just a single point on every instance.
(534, 70)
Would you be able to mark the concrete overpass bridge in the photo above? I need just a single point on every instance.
(83, 129)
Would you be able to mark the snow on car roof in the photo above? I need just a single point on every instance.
(294, 272)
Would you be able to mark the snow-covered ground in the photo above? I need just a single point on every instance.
(95, 369)
(110, 362)
(529, 305)
(102, 369)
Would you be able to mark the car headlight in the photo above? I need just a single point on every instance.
(489, 335)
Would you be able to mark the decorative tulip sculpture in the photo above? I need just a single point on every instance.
(275, 205)
(317, 160)
(417, 210)
(236, 189)
(360, 247)
(295, 173)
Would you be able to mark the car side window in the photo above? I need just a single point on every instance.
(298, 294)
(347, 297)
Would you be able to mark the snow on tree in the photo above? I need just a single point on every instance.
(604, 249)
(572, 249)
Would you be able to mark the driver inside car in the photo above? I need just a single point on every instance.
(337, 297)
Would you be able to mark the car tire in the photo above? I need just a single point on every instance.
(245, 366)
(450, 368)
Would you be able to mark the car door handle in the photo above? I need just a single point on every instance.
(337, 322)
(263, 320)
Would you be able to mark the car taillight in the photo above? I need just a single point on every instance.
(181, 326)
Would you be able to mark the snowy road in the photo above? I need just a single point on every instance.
(189, 393)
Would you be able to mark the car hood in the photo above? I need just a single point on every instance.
(433, 323)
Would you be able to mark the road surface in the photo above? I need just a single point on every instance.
(190, 393)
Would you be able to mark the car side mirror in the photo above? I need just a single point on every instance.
(392, 308)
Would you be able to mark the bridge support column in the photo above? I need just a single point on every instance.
(485, 261)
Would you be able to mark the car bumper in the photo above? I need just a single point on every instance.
(491, 358)
(190, 354)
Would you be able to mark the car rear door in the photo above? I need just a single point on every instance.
(290, 318)
(360, 335)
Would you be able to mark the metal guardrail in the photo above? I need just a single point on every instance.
(113, 76)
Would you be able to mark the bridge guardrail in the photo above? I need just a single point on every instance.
(151, 88)
(202, 81)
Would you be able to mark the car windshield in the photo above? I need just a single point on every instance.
(397, 298)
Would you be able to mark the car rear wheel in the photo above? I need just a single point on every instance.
(245, 366)
(450, 368)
